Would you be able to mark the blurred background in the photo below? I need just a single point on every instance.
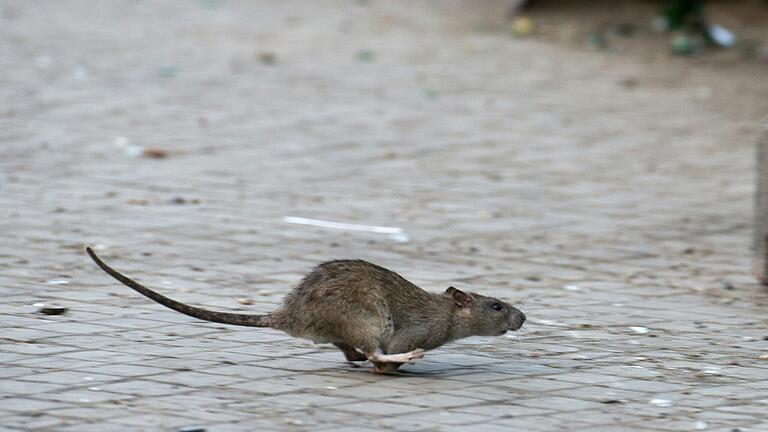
(591, 162)
(532, 128)
(545, 122)
(482, 133)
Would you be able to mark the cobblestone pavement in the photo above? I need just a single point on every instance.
(608, 198)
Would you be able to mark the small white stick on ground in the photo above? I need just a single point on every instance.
(394, 233)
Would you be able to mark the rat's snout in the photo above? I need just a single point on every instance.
(516, 319)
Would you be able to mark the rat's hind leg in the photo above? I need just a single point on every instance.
(351, 353)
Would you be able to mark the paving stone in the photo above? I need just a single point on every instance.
(89, 395)
(449, 418)
(438, 400)
(17, 387)
(560, 403)
(143, 388)
(508, 184)
(644, 386)
(27, 405)
(125, 370)
(70, 378)
(152, 421)
(35, 349)
(505, 410)
(35, 420)
(380, 408)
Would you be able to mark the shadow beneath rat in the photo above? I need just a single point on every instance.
(421, 369)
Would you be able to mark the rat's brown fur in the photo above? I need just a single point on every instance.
(367, 311)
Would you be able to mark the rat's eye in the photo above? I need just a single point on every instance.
(497, 306)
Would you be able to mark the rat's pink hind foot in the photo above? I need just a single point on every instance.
(408, 357)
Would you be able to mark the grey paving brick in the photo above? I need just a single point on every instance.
(89, 395)
(17, 387)
(18, 404)
(439, 400)
(647, 386)
(558, 403)
(511, 182)
(69, 378)
(378, 408)
(505, 410)
(143, 388)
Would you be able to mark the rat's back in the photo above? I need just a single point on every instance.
(353, 281)
(357, 272)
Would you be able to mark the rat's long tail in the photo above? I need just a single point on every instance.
(195, 312)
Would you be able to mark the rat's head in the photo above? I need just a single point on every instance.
(484, 316)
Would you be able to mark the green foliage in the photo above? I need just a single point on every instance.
(683, 14)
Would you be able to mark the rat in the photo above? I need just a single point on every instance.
(366, 311)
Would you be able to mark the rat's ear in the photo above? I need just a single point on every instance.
(460, 297)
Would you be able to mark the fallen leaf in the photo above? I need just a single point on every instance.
(155, 153)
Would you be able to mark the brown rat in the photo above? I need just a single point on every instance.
(367, 311)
